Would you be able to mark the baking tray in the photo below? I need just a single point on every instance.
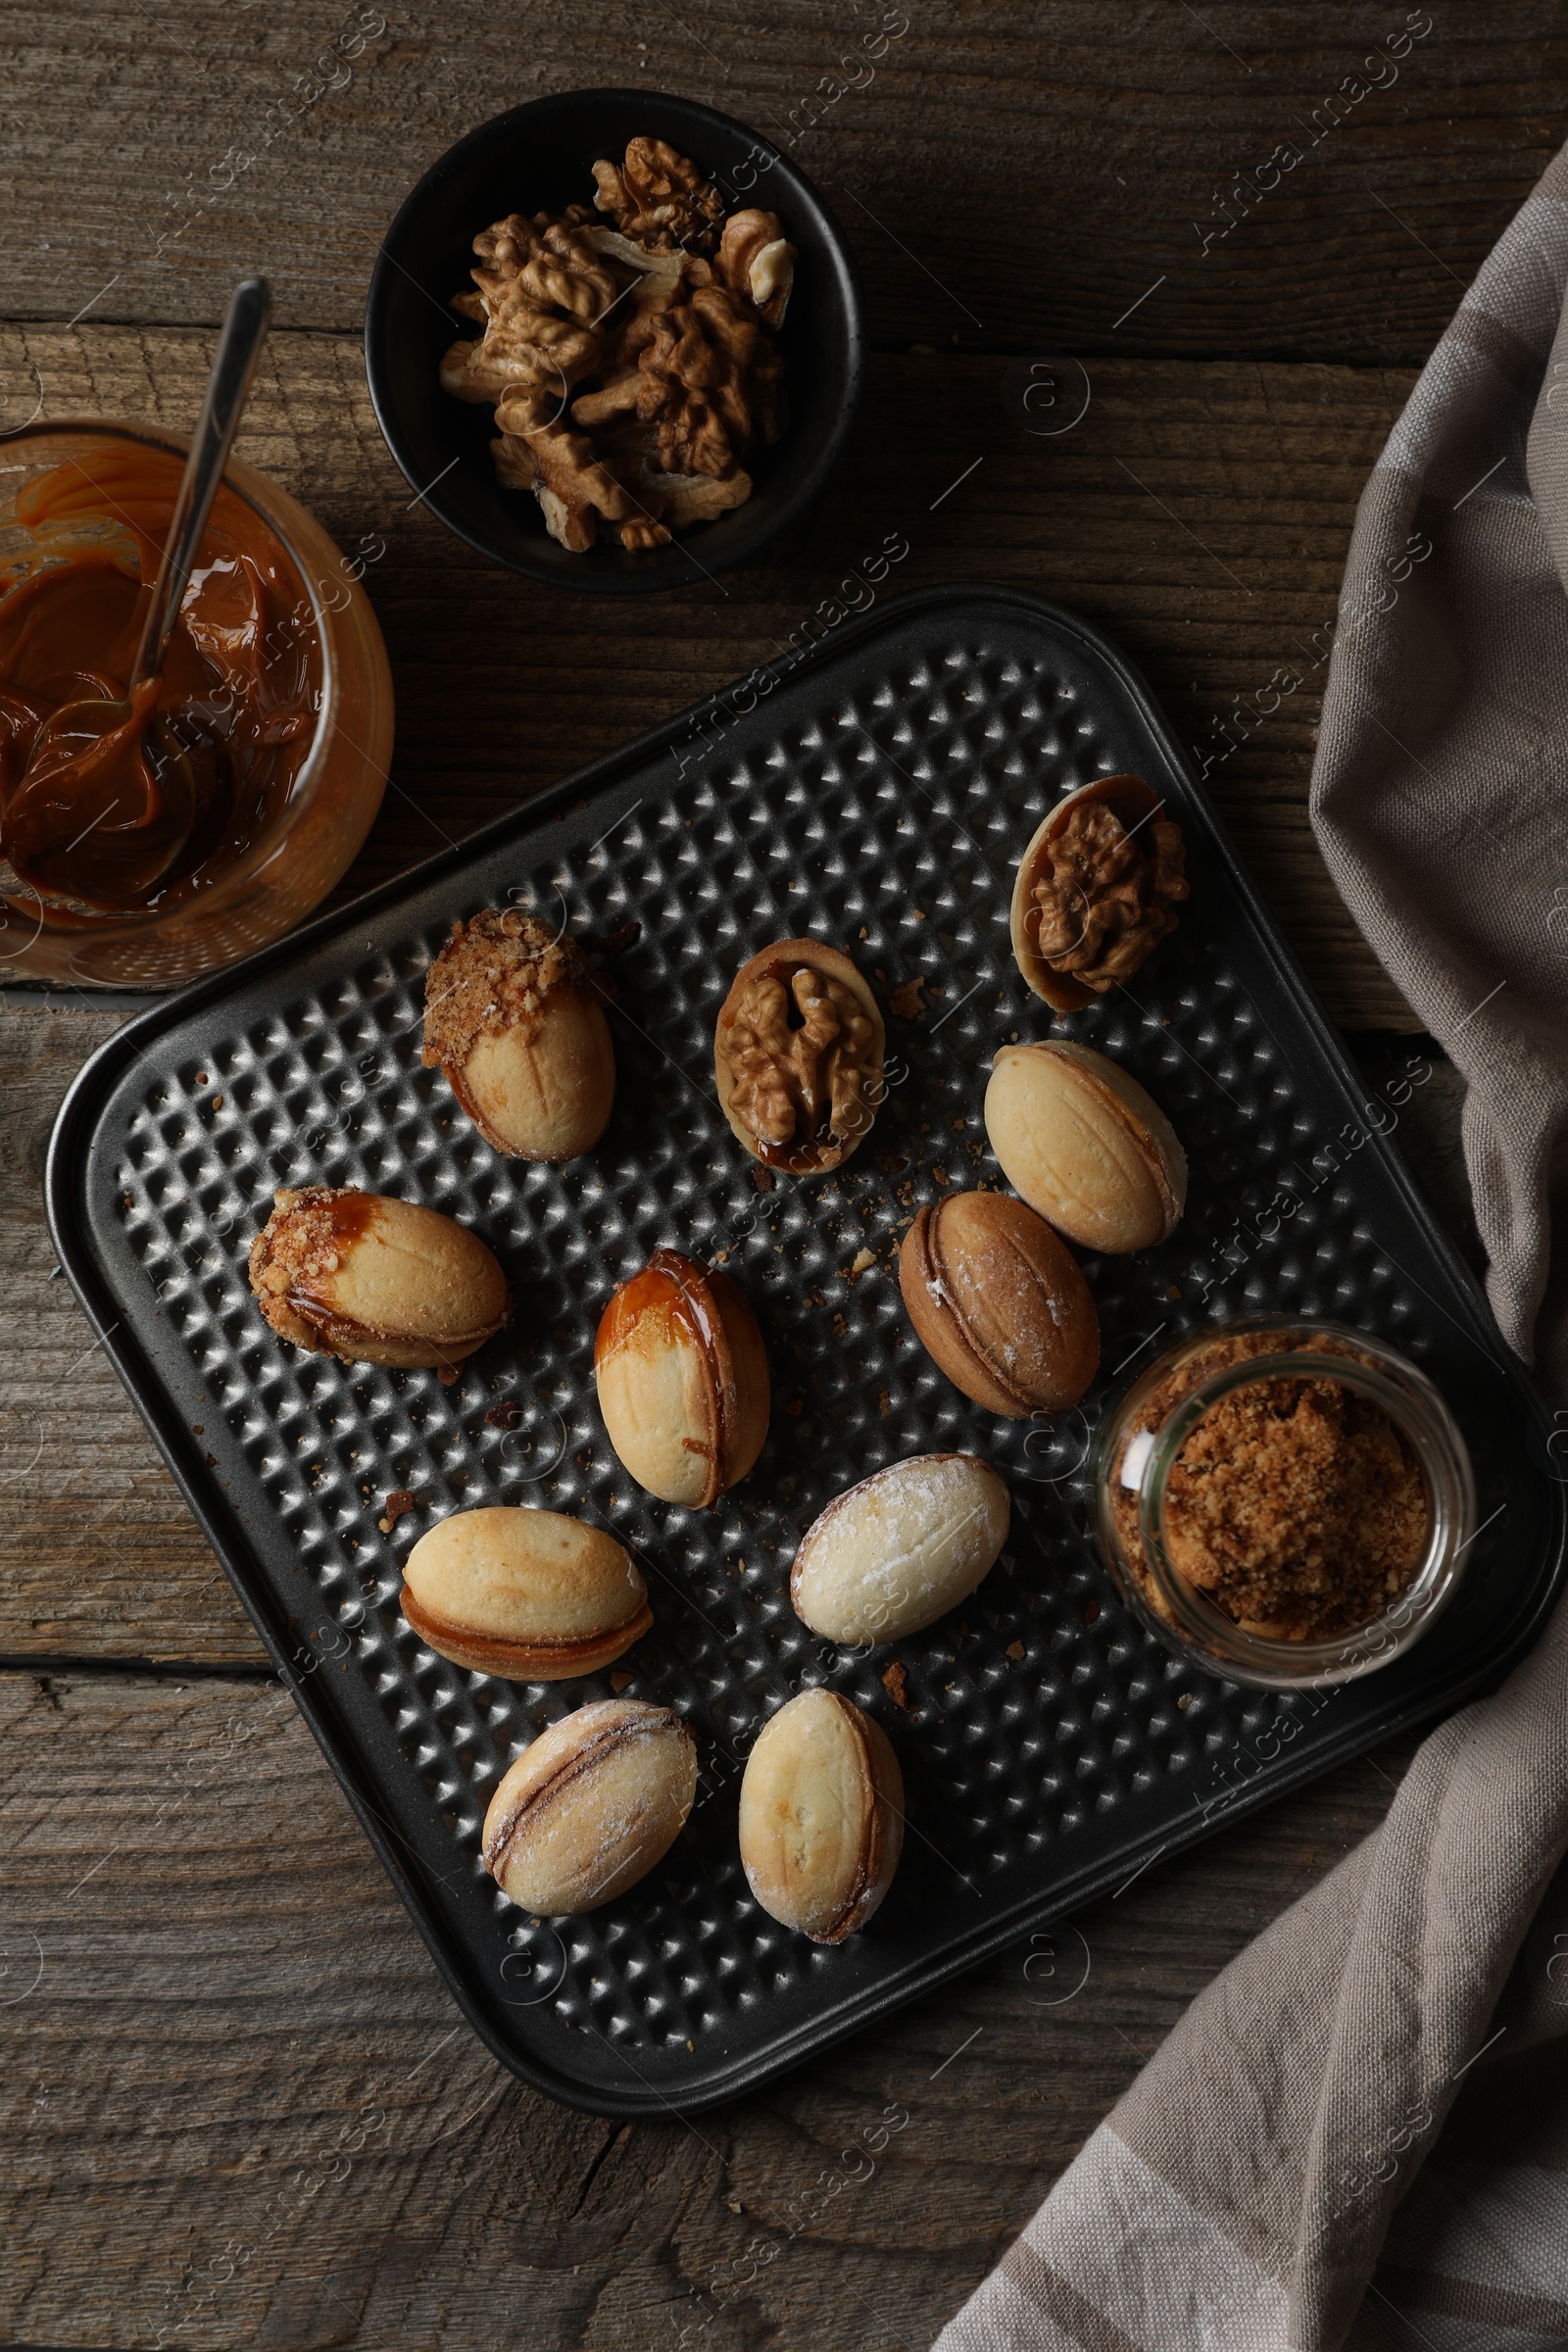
(876, 789)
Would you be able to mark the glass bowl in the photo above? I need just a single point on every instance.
(1143, 1432)
(318, 833)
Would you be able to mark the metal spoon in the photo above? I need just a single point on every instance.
(71, 746)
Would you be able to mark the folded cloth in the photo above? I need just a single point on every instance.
(1437, 791)
(1240, 2195)
(1237, 2195)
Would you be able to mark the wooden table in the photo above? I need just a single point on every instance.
(237, 2107)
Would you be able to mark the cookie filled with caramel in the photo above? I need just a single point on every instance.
(682, 1378)
(1000, 1303)
(376, 1281)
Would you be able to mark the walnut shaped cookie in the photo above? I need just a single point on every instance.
(798, 1055)
(516, 1021)
(1096, 890)
(375, 1280)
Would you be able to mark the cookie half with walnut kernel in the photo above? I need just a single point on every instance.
(798, 1055)
(1096, 890)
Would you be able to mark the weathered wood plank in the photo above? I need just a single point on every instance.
(1002, 175)
(1198, 512)
(100, 1555)
(237, 2106)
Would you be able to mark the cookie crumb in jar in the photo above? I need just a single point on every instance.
(1296, 1506)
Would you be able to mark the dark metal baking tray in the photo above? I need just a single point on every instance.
(875, 789)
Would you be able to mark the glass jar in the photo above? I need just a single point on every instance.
(308, 844)
(1143, 1433)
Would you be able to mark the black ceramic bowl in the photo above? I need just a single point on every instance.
(540, 156)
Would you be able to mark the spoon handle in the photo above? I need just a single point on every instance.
(238, 350)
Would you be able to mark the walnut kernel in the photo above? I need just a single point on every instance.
(797, 1056)
(1097, 890)
(630, 373)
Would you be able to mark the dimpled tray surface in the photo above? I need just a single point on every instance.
(875, 791)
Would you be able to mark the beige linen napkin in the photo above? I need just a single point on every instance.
(1262, 2186)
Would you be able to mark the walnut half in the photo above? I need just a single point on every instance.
(1097, 890)
(756, 260)
(658, 198)
(797, 1056)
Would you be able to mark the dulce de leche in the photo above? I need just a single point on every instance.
(161, 808)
